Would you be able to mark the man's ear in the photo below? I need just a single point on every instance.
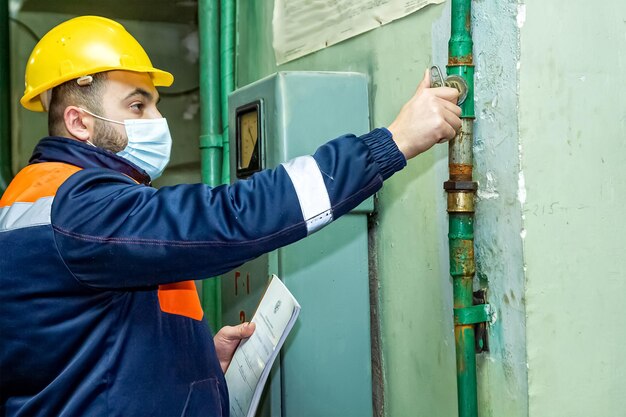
(78, 123)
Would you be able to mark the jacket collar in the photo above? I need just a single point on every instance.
(60, 149)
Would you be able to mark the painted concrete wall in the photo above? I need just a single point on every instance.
(573, 144)
(415, 295)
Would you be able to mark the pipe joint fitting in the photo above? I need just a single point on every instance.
(460, 202)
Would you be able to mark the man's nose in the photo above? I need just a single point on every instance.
(154, 113)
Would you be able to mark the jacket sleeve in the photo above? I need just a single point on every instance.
(113, 233)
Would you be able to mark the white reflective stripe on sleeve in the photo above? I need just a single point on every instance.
(19, 215)
(311, 190)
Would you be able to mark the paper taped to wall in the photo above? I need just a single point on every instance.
(253, 359)
(304, 26)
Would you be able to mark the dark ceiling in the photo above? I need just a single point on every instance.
(175, 11)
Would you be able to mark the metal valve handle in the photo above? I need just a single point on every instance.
(453, 81)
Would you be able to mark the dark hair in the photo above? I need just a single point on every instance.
(71, 94)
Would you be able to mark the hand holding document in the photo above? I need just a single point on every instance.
(253, 359)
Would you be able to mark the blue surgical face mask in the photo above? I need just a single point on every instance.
(149, 143)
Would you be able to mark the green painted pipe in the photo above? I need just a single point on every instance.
(461, 189)
(460, 55)
(460, 44)
(461, 239)
(5, 98)
(227, 66)
(210, 132)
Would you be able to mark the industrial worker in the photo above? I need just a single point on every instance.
(99, 315)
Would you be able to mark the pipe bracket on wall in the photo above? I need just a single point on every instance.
(480, 328)
(478, 315)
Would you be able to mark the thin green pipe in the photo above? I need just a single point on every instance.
(227, 66)
(210, 121)
(461, 224)
(5, 98)
(210, 132)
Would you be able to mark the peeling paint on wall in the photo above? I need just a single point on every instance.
(489, 189)
(521, 15)
(521, 187)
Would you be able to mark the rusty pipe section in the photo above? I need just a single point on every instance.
(460, 187)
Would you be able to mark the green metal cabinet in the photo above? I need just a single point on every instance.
(325, 366)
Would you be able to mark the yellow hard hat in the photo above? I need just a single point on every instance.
(84, 46)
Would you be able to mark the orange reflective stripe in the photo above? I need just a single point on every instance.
(37, 181)
(181, 298)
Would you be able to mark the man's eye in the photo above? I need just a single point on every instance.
(136, 106)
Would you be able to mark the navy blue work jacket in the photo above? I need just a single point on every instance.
(98, 316)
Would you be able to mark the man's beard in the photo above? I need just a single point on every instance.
(106, 137)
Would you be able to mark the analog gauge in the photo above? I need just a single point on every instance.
(249, 136)
(248, 143)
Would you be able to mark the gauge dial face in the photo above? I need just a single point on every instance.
(249, 130)
(249, 141)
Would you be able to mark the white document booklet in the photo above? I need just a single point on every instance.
(253, 359)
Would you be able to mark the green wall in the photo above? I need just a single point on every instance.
(573, 144)
(549, 137)
(415, 292)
